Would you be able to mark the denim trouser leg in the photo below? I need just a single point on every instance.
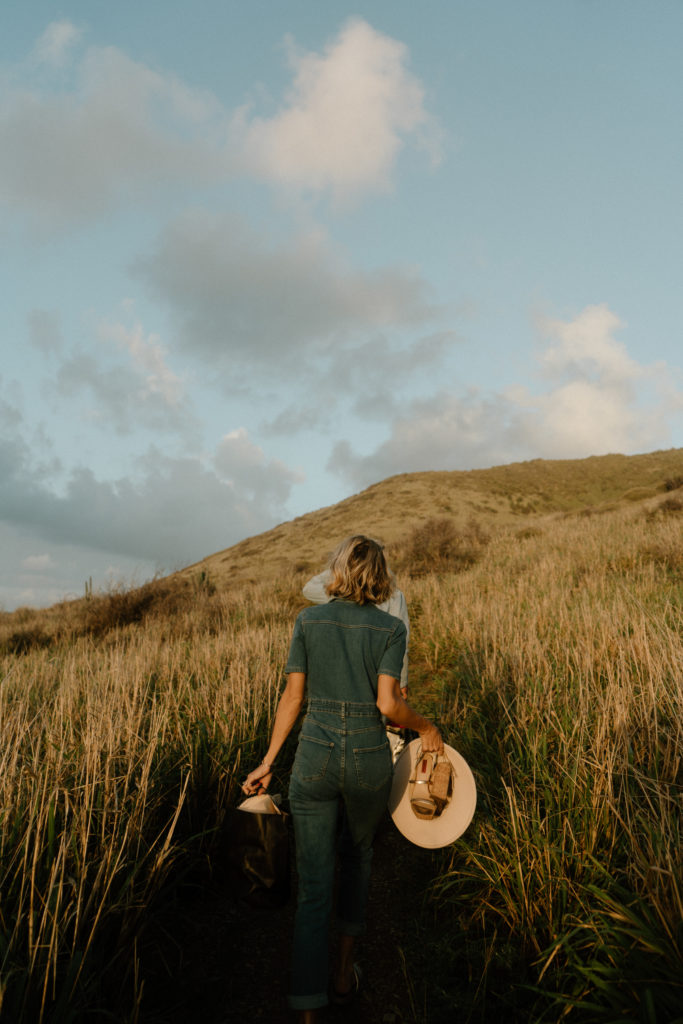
(343, 755)
(355, 857)
(315, 826)
(354, 881)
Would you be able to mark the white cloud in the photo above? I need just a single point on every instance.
(442, 431)
(170, 511)
(235, 295)
(348, 114)
(120, 381)
(243, 465)
(585, 347)
(375, 371)
(55, 44)
(597, 400)
(586, 418)
(119, 130)
(378, 362)
(597, 404)
(366, 380)
(71, 152)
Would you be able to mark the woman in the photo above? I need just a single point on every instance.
(315, 590)
(348, 655)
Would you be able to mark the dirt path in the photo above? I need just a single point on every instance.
(207, 960)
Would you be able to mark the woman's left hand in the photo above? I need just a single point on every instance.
(258, 780)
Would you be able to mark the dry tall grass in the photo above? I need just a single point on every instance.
(555, 664)
(118, 757)
(558, 665)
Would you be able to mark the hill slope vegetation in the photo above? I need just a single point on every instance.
(505, 497)
(547, 642)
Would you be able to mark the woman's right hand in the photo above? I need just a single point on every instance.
(431, 740)
(258, 780)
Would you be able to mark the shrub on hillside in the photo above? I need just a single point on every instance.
(668, 556)
(22, 640)
(120, 607)
(99, 613)
(668, 507)
(673, 483)
(528, 532)
(439, 545)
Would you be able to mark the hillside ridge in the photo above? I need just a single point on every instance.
(500, 497)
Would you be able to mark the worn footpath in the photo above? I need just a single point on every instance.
(209, 960)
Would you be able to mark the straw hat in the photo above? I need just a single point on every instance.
(262, 803)
(455, 816)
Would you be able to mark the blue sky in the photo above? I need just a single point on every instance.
(258, 256)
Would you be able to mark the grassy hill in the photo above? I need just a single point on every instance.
(504, 497)
(546, 641)
(468, 508)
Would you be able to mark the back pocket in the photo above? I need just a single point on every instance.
(373, 766)
(312, 758)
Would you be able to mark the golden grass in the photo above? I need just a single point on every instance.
(554, 663)
(108, 751)
(558, 665)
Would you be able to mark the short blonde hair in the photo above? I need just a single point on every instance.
(359, 571)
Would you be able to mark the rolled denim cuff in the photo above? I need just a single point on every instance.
(309, 1002)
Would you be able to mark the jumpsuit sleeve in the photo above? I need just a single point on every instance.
(391, 663)
(297, 661)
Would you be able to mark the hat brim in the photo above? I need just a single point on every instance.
(454, 818)
(262, 803)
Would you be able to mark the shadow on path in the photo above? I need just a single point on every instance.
(205, 959)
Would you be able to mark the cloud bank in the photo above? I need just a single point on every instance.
(118, 378)
(348, 114)
(120, 131)
(113, 129)
(170, 510)
(55, 44)
(596, 400)
(234, 294)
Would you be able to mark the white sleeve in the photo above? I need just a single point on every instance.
(315, 591)
(396, 605)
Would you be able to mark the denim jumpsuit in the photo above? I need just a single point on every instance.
(343, 755)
